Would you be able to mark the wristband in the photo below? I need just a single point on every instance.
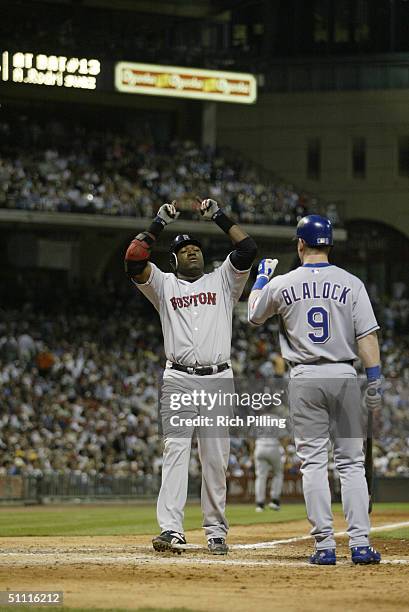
(222, 220)
(157, 226)
(373, 373)
(261, 281)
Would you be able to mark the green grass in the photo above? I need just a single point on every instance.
(120, 520)
(141, 520)
(394, 534)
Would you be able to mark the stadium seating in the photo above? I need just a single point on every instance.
(79, 386)
(58, 166)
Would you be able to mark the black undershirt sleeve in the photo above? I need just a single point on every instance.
(244, 254)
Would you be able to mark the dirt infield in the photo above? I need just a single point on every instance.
(124, 572)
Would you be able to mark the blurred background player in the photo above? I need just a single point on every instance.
(268, 459)
(326, 321)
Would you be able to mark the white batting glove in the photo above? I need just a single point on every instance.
(373, 395)
(167, 213)
(208, 208)
(266, 268)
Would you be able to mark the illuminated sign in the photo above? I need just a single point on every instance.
(50, 70)
(157, 80)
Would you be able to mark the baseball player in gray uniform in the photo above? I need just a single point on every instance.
(325, 321)
(268, 457)
(195, 310)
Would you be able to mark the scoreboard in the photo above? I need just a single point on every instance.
(22, 67)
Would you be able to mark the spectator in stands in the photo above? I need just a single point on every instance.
(47, 167)
(78, 397)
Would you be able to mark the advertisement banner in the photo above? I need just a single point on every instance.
(156, 80)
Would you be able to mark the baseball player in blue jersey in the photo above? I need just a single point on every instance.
(326, 321)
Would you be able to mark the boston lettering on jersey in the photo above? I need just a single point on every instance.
(313, 290)
(195, 299)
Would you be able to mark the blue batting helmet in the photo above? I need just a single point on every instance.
(315, 231)
(181, 240)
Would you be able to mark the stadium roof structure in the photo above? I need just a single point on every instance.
(178, 8)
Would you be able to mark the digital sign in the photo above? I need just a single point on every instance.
(155, 80)
(49, 70)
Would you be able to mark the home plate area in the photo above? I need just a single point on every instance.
(266, 568)
(244, 549)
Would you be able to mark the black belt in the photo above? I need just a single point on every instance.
(292, 364)
(200, 371)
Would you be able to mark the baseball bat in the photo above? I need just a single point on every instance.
(369, 456)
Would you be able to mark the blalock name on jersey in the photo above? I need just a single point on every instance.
(314, 290)
(198, 298)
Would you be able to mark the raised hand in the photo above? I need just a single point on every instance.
(266, 268)
(167, 213)
(208, 208)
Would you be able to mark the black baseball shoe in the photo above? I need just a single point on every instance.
(275, 504)
(169, 541)
(218, 546)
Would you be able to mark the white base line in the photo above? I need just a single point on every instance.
(275, 543)
(35, 559)
(149, 560)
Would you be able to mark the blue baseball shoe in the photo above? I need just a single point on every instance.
(364, 555)
(326, 556)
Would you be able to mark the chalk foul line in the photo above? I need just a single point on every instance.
(275, 543)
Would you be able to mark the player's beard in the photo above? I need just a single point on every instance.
(191, 271)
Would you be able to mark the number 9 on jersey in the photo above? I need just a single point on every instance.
(318, 318)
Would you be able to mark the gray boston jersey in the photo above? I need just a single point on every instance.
(322, 311)
(196, 317)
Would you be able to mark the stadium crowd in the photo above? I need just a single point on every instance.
(79, 386)
(55, 166)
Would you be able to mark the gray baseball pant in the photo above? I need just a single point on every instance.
(214, 450)
(325, 405)
(268, 458)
